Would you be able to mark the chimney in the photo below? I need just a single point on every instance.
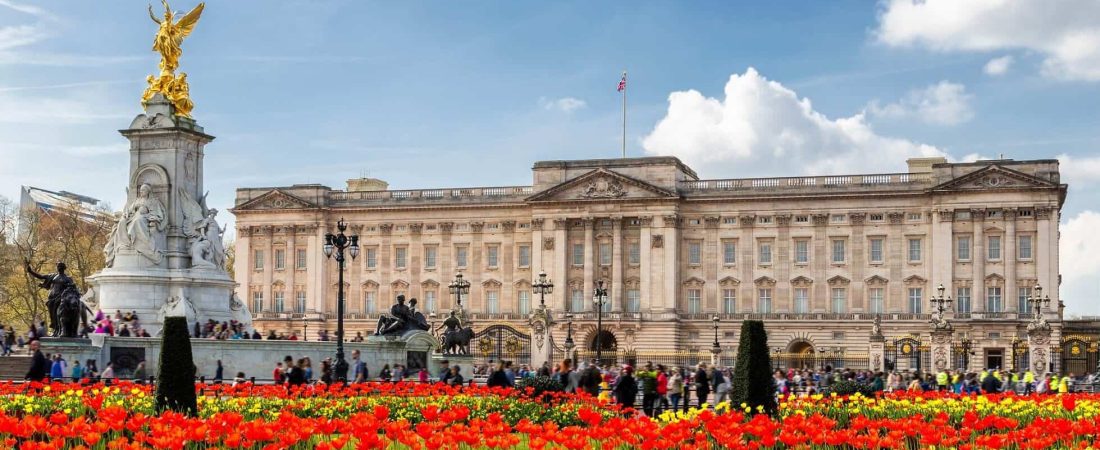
(367, 185)
(924, 165)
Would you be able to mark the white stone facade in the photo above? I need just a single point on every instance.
(815, 257)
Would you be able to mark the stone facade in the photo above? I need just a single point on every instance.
(816, 257)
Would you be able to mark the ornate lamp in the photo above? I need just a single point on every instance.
(334, 247)
(599, 298)
(543, 286)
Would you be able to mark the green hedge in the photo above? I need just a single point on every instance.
(176, 373)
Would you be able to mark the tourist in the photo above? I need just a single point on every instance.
(444, 372)
(322, 335)
(702, 383)
(40, 365)
(139, 373)
(358, 337)
(562, 374)
(78, 371)
(293, 336)
(9, 340)
(108, 375)
(297, 374)
(498, 378)
(422, 375)
(385, 374)
(57, 370)
(218, 372)
(590, 380)
(91, 371)
(359, 372)
(271, 336)
(662, 389)
(626, 389)
(238, 379)
(648, 378)
(308, 368)
(124, 331)
(508, 372)
(455, 376)
(326, 371)
(544, 371)
(720, 381)
(277, 374)
(675, 388)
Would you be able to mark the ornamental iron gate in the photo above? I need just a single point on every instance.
(907, 353)
(1079, 356)
(501, 342)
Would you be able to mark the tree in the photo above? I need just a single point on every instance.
(230, 257)
(753, 384)
(71, 234)
(176, 372)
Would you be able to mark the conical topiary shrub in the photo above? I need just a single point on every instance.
(753, 384)
(176, 372)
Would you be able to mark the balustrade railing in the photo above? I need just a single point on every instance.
(800, 182)
(432, 194)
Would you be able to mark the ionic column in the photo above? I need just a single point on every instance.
(508, 301)
(1009, 260)
(617, 264)
(446, 266)
(477, 267)
(977, 257)
(671, 224)
(645, 247)
(386, 295)
(858, 263)
(537, 264)
(416, 262)
(269, 266)
(747, 262)
(711, 259)
(941, 255)
(1046, 255)
(823, 249)
(353, 295)
(589, 266)
(291, 267)
(317, 288)
(241, 267)
(560, 268)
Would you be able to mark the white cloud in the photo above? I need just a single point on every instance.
(944, 103)
(19, 35)
(564, 104)
(1078, 171)
(998, 66)
(75, 109)
(761, 127)
(1078, 247)
(1065, 32)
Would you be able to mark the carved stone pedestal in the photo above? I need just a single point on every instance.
(542, 344)
(941, 349)
(1038, 347)
(876, 353)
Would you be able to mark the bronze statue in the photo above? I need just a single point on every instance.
(394, 322)
(456, 339)
(66, 310)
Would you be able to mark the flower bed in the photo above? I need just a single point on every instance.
(385, 415)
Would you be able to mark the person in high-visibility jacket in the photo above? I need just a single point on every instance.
(941, 380)
(1029, 382)
(956, 381)
(1064, 384)
(1053, 386)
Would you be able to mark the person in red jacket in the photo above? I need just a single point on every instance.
(277, 374)
(662, 388)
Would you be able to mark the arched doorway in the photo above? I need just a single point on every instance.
(800, 355)
(607, 341)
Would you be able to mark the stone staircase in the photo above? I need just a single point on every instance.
(14, 367)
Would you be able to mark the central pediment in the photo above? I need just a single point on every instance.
(602, 185)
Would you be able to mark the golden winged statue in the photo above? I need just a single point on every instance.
(168, 42)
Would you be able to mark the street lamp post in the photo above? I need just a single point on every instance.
(716, 348)
(599, 298)
(459, 287)
(941, 304)
(569, 335)
(543, 286)
(1037, 301)
(334, 248)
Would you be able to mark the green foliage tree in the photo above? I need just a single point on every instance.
(753, 384)
(176, 374)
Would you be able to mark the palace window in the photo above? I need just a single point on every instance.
(876, 250)
(280, 299)
(877, 300)
(994, 248)
(372, 257)
(764, 219)
(492, 301)
(962, 300)
(915, 216)
(524, 306)
(492, 256)
(369, 303)
(876, 217)
(1025, 246)
(840, 299)
(695, 253)
(525, 256)
(429, 300)
(605, 254)
(280, 259)
(765, 253)
(257, 301)
(801, 251)
(962, 248)
(633, 300)
(300, 259)
(634, 249)
(914, 250)
(578, 255)
(729, 301)
(1022, 304)
(257, 260)
(838, 251)
(837, 218)
(400, 257)
(962, 215)
(801, 219)
(993, 300)
(764, 295)
(729, 253)
(916, 300)
(801, 300)
(461, 255)
(729, 220)
(694, 300)
(576, 300)
(430, 256)
(300, 302)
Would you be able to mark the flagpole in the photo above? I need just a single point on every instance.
(624, 115)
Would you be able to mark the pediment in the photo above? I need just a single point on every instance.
(764, 281)
(275, 200)
(601, 185)
(915, 280)
(994, 177)
(694, 282)
(876, 280)
(729, 281)
(801, 281)
(838, 281)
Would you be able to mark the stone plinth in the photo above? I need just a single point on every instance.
(876, 353)
(1038, 347)
(206, 294)
(542, 343)
(941, 349)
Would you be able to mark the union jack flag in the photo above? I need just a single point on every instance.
(622, 83)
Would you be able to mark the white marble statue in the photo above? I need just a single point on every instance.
(203, 233)
(140, 228)
(240, 312)
(177, 306)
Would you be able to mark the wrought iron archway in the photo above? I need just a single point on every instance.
(502, 343)
(906, 353)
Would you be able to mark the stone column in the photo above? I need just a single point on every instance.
(477, 268)
(353, 295)
(241, 265)
(560, 272)
(269, 266)
(414, 264)
(617, 264)
(291, 268)
(783, 262)
(507, 267)
(858, 264)
(1046, 256)
(1008, 260)
(1038, 347)
(645, 248)
(537, 264)
(446, 266)
(823, 257)
(977, 258)
(542, 345)
(672, 261)
(318, 286)
(941, 349)
(894, 252)
(747, 262)
(712, 260)
(386, 295)
(589, 267)
(942, 256)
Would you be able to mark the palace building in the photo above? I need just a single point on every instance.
(816, 257)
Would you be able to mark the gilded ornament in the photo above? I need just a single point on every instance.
(168, 42)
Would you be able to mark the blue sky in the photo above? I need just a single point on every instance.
(433, 94)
